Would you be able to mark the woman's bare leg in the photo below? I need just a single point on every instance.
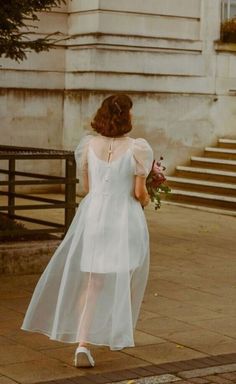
(91, 293)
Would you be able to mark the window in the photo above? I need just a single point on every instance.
(228, 9)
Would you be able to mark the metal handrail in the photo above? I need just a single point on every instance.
(13, 155)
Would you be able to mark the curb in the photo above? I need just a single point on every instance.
(28, 257)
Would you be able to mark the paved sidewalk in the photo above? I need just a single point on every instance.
(187, 322)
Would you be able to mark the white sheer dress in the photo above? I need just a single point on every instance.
(93, 286)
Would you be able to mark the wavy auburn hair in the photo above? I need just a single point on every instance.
(113, 117)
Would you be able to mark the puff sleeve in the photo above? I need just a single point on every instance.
(143, 155)
(81, 154)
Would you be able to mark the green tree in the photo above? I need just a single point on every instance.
(17, 27)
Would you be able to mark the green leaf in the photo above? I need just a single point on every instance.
(14, 18)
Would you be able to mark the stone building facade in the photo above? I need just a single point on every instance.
(163, 53)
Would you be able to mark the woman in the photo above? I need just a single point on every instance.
(92, 288)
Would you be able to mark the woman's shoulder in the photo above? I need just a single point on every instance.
(141, 144)
(84, 141)
(143, 154)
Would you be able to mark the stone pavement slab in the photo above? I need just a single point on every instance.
(188, 313)
(6, 380)
(201, 372)
(38, 370)
(152, 374)
(163, 353)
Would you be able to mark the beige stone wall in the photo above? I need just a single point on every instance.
(32, 99)
(142, 43)
(176, 125)
(32, 118)
(163, 53)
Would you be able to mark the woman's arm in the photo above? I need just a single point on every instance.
(140, 190)
(85, 182)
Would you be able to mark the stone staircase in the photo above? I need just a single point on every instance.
(208, 181)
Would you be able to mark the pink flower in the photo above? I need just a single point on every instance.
(156, 176)
(155, 183)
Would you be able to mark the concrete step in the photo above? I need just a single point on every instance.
(206, 174)
(205, 186)
(220, 211)
(210, 162)
(209, 181)
(227, 143)
(202, 199)
(221, 153)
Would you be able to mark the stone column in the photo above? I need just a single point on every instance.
(147, 49)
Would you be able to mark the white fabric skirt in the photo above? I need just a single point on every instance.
(93, 286)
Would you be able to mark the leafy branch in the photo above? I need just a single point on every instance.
(17, 29)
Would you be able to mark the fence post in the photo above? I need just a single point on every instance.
(11, 187)
(70, 191)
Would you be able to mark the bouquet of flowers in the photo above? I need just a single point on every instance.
(155, 183)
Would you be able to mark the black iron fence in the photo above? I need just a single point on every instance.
(12, 155)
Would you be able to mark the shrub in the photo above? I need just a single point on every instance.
(228, 31)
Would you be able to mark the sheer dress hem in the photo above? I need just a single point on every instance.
(65, 340)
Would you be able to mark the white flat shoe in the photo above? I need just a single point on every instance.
(83, 358)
